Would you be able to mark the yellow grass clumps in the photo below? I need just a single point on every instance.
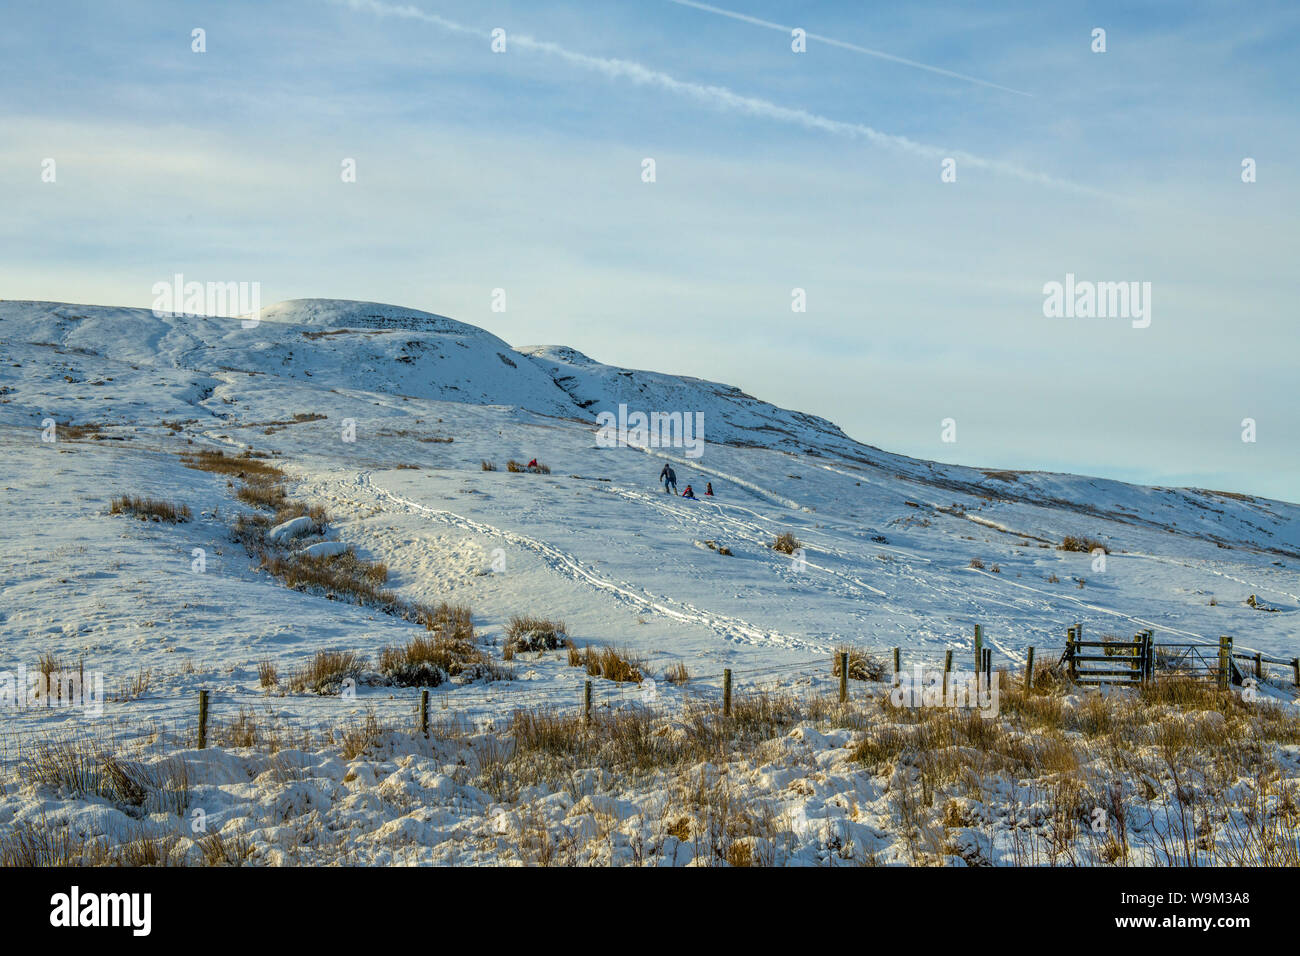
(345, 576)
(150, 509)
(621, 666)
(326, 672)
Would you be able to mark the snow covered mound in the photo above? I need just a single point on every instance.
(730, 416)
(350, 314)
(356, 345)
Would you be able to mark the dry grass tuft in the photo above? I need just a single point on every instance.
(326, 672)
(431, 661)
(862, 666)
(150, 509)
(1086, 545)
(677, 674)
(786, 543)
(520, 468)
(616, 665)
(528, 633)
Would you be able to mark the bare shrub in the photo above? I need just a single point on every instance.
(862, 666)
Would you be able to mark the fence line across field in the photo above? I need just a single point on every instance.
(1086, 662)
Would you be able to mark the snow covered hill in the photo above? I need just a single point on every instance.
(386, 419)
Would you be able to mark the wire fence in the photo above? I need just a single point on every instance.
(157, 719)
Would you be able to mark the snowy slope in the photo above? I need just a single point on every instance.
(383, 416)
(888, 540)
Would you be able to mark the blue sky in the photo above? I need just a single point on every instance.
(775, 170)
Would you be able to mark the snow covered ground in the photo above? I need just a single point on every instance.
(384, 415)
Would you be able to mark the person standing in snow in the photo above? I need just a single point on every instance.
(708, 489)
(669, 478)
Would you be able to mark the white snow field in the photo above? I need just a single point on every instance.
(383, 415)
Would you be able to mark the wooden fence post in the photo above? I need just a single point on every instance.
(947, 667)
(1225, 662)
(424, 712)
(844, 676)
(1259, 666)
(979, 652)
(726, 692)
(988, 668)
(1029, 671)
(1069, 653)
(1295, 666)
(586, 702)
(203, 719)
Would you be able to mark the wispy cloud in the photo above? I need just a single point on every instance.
(844, 45)
(722, 98)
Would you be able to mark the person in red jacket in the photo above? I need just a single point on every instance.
(533, 463)
(708, 489)
(688, 493)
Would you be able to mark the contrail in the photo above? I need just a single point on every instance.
(721, 98)
(831, 41)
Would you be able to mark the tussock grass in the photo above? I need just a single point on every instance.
(453, 621)
(269, 497)
(621, 666)
(862, 666)
(487, 465)
(519, 467)
(528, 633)
(218, 850)
(326, 672)
(150, 509)
(1087, 545)
(786, 543)
(84, 767)
(84, 430)
(245, 466)
(344, 576)
(677, 674)
(431, 661)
